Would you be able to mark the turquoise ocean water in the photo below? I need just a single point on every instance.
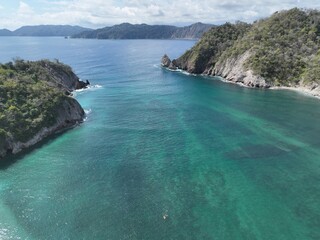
(219, 160)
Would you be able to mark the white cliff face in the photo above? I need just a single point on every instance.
(69, 114)
(232, 69)
(312, 88)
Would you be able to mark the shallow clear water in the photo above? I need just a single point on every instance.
(222, 161)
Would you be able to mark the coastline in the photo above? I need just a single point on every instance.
(66, 112)
(65, 119)
(300, 89)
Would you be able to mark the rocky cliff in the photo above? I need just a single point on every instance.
(280, 51)
(233, 69)
(67, 115)
(35, 102)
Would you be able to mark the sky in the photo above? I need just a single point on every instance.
(101, 13)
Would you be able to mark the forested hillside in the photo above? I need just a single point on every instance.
(282, 50)
(145, 31)
(34, 96)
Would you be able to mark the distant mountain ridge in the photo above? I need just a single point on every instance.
(195, 30)
(5, 32)
(120, 31)
(145, 31)
(44, 31)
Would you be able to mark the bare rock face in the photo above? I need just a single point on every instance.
(309, 88)
(166, 62)
(233, 70)
(315, 89)
(69, 114)
(62, 76)
(81, 84)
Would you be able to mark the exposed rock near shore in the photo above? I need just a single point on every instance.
(166, 62)
(233, 70)
(62, 76)
(68, 115)
(273, 53)
(36, 102)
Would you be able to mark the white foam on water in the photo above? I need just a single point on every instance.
(87, 112)
(178, 70)
(87, 89)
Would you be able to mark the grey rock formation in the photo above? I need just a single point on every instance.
(167, 63)
(233, 70)
(64, 79)
(69, 114)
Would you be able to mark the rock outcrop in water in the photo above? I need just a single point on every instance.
(280, 51)
(35, 102)
(166, 62)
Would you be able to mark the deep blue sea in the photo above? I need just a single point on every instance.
(163, 155)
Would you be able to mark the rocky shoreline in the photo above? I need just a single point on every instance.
(65, 119)
(232, 71)
(67, 112)
(274, 52)
(303, 90)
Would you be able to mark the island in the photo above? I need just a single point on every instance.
(281, 51)
(35, 102)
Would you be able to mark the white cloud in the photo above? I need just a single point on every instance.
(24, 9)
(98, 13)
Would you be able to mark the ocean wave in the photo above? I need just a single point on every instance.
(87, 112)
(183, 72)
(87, 89)
(180, 71)
(157, 66)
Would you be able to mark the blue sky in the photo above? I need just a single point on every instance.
(99, 13)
